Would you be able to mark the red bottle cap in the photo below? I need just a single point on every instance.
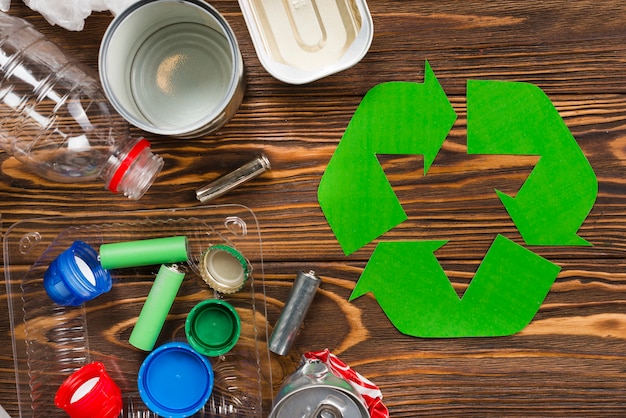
(126, 163)
(90, 392)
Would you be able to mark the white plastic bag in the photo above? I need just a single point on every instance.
(71, 14)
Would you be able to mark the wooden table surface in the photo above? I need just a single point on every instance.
(571, 360)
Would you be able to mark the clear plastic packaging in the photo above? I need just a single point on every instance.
(51, 342)
(55, 119)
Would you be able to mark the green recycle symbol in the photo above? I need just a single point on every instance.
(405, 277)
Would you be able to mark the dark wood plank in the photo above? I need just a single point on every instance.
(569, 360)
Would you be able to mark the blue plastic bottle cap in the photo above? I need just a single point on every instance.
(76, 276)
(175, 380)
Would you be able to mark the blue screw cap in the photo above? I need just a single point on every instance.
(175, 380)
(76, 276)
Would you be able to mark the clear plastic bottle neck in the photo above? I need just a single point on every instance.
(132, 168)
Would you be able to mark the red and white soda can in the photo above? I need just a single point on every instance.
(324, 386)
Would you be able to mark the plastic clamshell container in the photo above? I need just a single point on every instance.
(300, 41)
(50, 342)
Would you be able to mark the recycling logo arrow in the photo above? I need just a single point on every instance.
(502, 298)
(518, 118)
(405, 277)
(354, 193)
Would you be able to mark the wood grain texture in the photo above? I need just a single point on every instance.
(570, 361)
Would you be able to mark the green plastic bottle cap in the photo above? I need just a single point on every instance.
(144, 252)
(223, 268)
(213, 327)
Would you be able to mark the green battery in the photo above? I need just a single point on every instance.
(144, 252)
(157, 306)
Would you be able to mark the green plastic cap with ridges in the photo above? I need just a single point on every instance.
(213, 327)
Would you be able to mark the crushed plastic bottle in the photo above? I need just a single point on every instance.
(55, 119)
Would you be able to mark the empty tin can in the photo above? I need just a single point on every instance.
(172, 67)
(313, 391)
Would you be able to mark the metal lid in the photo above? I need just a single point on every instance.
(300, 41)
(313, 391)
(223, 268)
(320, 401)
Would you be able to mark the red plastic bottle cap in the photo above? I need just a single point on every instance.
(125, 164)
(90, 392)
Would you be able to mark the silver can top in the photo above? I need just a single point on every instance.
(313, 391)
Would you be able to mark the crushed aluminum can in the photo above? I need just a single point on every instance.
(325, 387)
